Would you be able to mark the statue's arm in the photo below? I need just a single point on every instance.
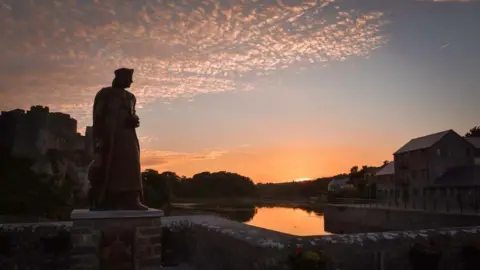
(136, 119)
(134, 104)
(99, 111)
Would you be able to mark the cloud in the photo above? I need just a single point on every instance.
(158, 158)
(59, 53)
(457, 1)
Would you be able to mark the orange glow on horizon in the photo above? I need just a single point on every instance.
(303, 179)
(269, 164)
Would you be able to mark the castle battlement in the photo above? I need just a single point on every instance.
(32, 133)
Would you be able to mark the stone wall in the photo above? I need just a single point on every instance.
(208, 242)
(214, 243)
(390, 250)
(35, 246)
(354, 219)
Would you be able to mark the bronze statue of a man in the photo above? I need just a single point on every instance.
(115, 174)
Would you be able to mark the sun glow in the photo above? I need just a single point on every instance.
(302, 179)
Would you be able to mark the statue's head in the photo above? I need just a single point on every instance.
(123, 78)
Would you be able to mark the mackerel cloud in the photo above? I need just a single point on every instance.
(59, 53)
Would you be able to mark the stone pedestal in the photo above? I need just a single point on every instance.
(116, 240)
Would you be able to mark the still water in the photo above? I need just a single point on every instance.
(293, 221)
(288, 220)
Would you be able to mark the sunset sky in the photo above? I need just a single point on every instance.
(275, 89)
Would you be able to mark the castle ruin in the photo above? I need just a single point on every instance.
(31, 134)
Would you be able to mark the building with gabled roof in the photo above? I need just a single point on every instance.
(423, 142)
(422, 160)
(475, 141)
(339, 183)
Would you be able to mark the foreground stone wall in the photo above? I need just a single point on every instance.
(355, 219)
(208, 242)
(390, 250)
(35, 246)
(213, 243)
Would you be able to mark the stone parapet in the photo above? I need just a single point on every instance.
(209, 242)
(213, 243)
(33, 246)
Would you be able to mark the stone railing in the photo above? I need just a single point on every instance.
(35, 246)
(208, 242)
(213, 243)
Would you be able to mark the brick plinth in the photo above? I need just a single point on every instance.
(120, 240)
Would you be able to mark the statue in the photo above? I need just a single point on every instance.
(115, 174)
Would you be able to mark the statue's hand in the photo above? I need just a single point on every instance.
(136, 120)
(133, 121)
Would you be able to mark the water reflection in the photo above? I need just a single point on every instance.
(240, 215)
(289, 220)
(295, 221)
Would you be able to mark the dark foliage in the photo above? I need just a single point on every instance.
(292, 190)
(157, 187)
(424, 256)
(473, 132)
(25, 193)
(215, 185)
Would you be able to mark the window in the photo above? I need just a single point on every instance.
(439, 153)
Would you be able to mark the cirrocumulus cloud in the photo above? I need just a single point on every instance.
(59, 53)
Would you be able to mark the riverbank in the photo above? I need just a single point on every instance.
(360, 219)
(245, 203)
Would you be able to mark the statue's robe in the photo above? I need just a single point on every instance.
(116, 165)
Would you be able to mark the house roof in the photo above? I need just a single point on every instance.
(475, 141)
(387, 169)
(423, 142)
(340, 181)
(461, 176)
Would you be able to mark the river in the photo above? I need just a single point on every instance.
(288, 220)
(293, 221)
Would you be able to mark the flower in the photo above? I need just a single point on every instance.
(313, 256)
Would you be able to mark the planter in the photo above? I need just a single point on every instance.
(471, 257)
(310, 260)
(424, 257)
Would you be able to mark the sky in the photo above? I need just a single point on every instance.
(275, 90)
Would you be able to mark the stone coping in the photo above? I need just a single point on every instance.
(253, 235)
(267, 238)
(384, 207)
(115, 214)
(32, 227)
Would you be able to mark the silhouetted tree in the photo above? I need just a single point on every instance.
(215, 185)
(473, 132)
(158, 187)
